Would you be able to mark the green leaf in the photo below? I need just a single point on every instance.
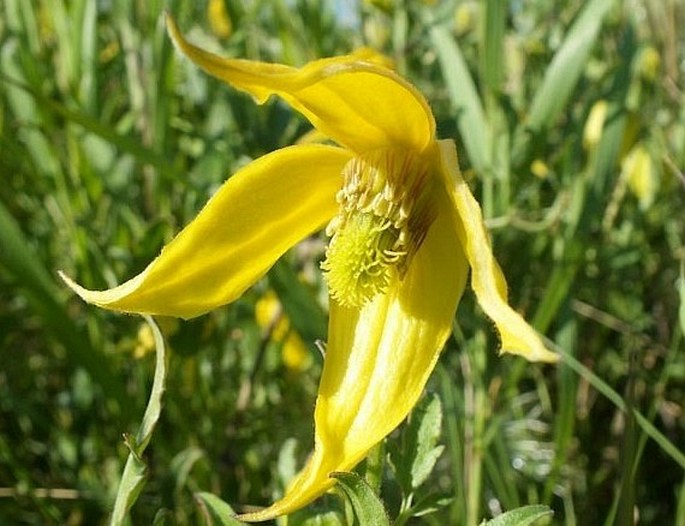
(561, 76)
(124, 143)
(215, 511)
(183, 463)
(520, 516)
(307, 517)
(366, 505)
(329, 510)
(430, 504)
(427, 421)
(607, 391)
(163, 517)
(135, 470)
(154, 406)
(43, 295)
(492, 45)
(462, 92)
(415, 459)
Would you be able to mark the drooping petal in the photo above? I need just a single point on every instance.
(487, 280)
(258, 214)
(378, 360)
(357, 103)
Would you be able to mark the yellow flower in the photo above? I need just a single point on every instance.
(404, 230)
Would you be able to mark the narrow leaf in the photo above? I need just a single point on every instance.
(124, 143)
(492, 44)
(462, 92)
(154, 406)
(666, 445)
(562, 75)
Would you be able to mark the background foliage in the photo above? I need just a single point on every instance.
(571, 127)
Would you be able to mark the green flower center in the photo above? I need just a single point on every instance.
(385, 211)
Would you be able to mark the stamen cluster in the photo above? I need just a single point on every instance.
(385, 212)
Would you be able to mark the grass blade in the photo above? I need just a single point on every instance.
(462, 92)
(123, 143)
(666, 445)
(42, 292)
(561, 76)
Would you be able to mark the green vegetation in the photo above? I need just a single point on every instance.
(570, 121)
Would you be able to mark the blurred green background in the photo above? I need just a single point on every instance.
(570, 122)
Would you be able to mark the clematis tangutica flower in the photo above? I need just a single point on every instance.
(404, 231)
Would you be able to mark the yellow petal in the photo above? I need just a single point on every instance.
(260, 212)
(487, 280)
(378, 360)
(357, 103)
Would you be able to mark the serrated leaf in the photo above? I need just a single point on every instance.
(215, 511)
(521, 516)
(366, 505)
(414, 460)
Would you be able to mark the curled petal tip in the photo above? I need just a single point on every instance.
(110, 298)
(538, 354)
(70, 283)
(171, 27)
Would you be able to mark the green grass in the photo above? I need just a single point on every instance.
(110, 143)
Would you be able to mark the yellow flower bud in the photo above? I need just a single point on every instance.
(594, 124)
(219, 21)
(638, 169)
(648, 63)
(539, 169)
(465, 17)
